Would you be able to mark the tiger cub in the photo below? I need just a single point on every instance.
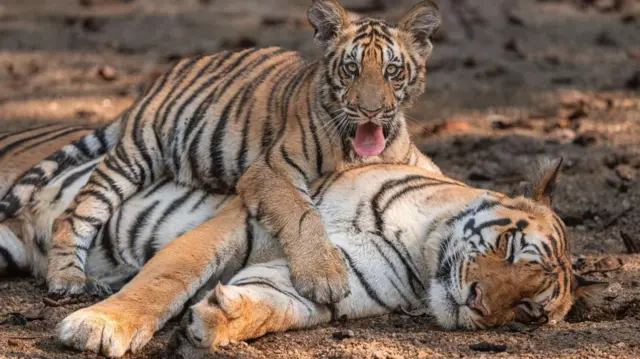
(262, 121)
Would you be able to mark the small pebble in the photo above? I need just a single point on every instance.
(586, 139)
(611, 160)
(614, 181)
(108, 73)
(625, 172)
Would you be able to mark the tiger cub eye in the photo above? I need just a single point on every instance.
(391, 70)
(351, 68)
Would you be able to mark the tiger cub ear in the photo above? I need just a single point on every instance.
(546, 182)
(585, 289)
(328, 18)
(421, 22)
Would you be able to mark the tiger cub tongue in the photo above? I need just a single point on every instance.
(369, 140)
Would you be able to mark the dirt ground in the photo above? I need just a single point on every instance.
(509, 81)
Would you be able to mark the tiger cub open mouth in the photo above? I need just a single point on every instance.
(370, 139)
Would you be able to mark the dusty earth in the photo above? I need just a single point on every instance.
(510, 80)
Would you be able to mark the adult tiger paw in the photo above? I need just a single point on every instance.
(106, 328)
(229, 314)
(323, 278)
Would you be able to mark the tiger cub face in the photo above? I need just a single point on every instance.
(372, 69)
(505, 261)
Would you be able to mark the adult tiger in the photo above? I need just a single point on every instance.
(412, 239)
(262, 120)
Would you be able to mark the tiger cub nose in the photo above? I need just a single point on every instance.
(370, 113)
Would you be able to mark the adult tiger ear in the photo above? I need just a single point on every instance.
(328, 18)
(585, 289)
(547, 181)
(421, 22)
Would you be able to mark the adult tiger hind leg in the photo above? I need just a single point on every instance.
(124, 171)
(260, 299)
(128, 319)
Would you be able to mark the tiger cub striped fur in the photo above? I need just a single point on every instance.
(262, 121)
(413, 239)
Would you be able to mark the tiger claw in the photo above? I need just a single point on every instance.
(74, 283)
(107, 329)
(90, 287)
(329, 285)
(59, 290)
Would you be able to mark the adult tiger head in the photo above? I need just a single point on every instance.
(372, 69)
(504, 261)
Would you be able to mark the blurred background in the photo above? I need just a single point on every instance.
(509, 81)
(63, 59)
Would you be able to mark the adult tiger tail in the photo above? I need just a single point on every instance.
(64, 147)
(21, 150)
(265, 122)
(413, 239)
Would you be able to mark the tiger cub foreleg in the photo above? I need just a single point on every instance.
(258, 300)
(128, 319)
(277, 196)
(122, 173)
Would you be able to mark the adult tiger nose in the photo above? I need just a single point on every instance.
(474, 301)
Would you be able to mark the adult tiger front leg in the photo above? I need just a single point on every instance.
(127, 320)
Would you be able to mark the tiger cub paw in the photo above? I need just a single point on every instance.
(322, 278)
(106, 329)
(72, 282)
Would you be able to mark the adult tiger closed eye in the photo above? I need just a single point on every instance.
(262, 121)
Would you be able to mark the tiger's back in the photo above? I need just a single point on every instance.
(216, 114)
